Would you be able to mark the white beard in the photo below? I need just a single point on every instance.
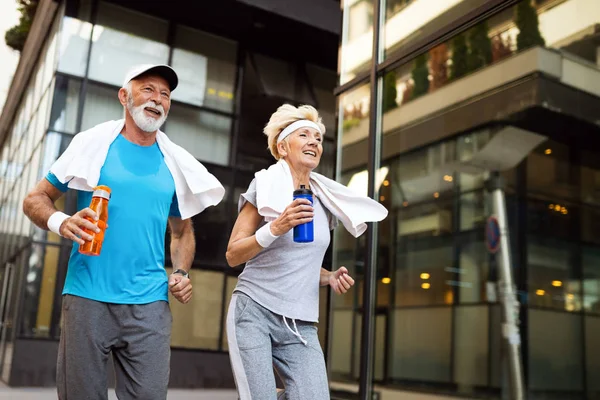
(143, 121)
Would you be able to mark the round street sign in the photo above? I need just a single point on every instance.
(492, 234)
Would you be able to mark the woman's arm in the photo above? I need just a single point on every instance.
(339, 280)
(243, 244)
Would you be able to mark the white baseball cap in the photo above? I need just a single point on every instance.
(161, 69)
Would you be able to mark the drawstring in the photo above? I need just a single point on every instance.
(295, 332)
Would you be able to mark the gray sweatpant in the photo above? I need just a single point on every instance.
(138, 336)
(260, 339)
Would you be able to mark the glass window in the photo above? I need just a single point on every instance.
(39, 290)
(351, 172)
(340, 361)
(205, 135)
(323, 83)
(592, 355)
(551, 217)
(424, 272)
(590, 224)
(54, 145)
(551, 172)
(353, 129)
(555, 360)
(101, 105)
(75, 38)
(407, 21)
(473, 273)
(472, 210)
(357, 38)
(421, 349)
(123, 38)
(206, 66)
(279, 79)
(590, 178)
(489, 46)
(591, 279)
(198, 323)
(551, 276)
(51, 57)
(42, 119)
(211, 228)
(65, 105)
(81, 9)
(471, 346)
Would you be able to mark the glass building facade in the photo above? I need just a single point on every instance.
(229, 86)
(427, 89)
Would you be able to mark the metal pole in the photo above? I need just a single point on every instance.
(507, 292)
(370, 270)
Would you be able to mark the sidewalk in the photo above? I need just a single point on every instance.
(7, 393)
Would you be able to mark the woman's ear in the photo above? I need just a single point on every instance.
(282, 148)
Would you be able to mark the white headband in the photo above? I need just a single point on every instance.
(303, 123)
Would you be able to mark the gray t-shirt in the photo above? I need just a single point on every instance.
(284, 277)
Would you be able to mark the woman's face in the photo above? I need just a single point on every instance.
(304, 148)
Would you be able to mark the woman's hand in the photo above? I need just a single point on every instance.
(299, 212)
(340, 281)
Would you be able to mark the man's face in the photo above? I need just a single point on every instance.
(149, 102)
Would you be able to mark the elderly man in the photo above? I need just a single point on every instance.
(117, 302)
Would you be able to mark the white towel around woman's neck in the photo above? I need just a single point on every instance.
(80, 166)
(274, 192)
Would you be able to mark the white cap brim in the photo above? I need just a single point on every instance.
(163, 70)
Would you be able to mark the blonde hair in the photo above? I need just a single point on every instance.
(285, 115)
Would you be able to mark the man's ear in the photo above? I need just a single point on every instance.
(123, 96)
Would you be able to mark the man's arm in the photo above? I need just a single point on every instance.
(183, 249)
(38, 206)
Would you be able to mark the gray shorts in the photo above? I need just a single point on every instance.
(260, 340)
(139, 337)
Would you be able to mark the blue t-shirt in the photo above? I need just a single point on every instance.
(130, 269)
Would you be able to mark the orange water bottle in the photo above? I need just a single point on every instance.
(99, 204)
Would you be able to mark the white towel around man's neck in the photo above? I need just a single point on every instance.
(274, 192)
(80, 166)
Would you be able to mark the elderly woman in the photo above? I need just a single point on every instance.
(275, 305)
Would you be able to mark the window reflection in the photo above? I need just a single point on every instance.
(353, 128)
(63, 117)
(123, 38)
(39, 290)
(74, 45)
(205, 135)
(424, 273)
(445, 75)
(198, 323)
(555, 352)
(357, 38)
(206, 66)
(101, 105)
(551, 276)
(591, 279)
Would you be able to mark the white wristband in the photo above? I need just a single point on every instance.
(264, 236)
(55, 221)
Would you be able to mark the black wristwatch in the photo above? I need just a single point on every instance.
(182, 272)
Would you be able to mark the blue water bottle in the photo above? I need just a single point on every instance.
(304, 233)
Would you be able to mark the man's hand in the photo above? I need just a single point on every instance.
(72, 227)
(340, 281)
(180, 287)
